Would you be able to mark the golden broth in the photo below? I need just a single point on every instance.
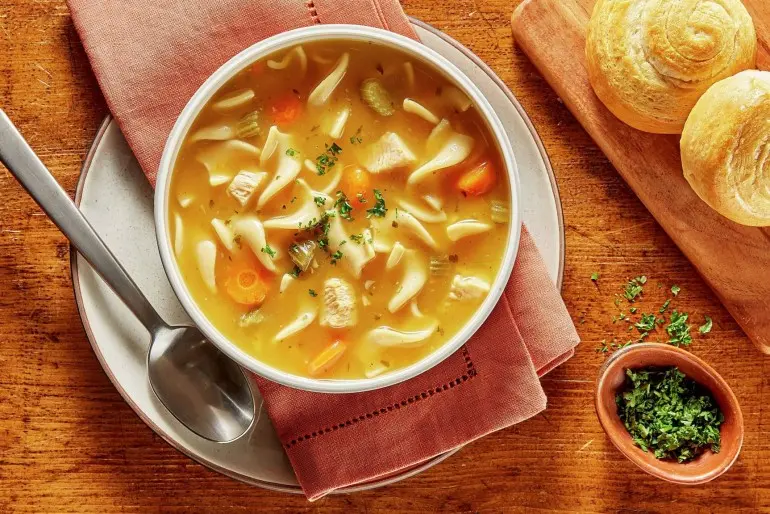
(308, 128)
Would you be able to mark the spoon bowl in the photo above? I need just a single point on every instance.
(200, 385)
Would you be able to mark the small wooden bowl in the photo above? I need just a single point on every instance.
(705, 467)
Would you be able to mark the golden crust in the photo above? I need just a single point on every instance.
(726, 148)
(650, 60)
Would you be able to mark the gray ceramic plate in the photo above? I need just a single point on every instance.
(117, 200)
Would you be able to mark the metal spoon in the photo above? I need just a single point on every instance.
(207, 392)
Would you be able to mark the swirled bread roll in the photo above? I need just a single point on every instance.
(650, 60)
(726, 148)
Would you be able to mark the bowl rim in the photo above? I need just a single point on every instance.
(212, 85)
(633, 453)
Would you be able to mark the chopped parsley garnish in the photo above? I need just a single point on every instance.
(312, 293)
(357, 238)
(321, 230)
(614, 345)
(343, 206)
(291, 152)
(319, 200)
(706, 327)
(328, 159)
(646, 324)
(356, 138)
(268, 251)
(634, 288)
(595, 277)
(361, 198)
(296, 272)
(379, 210)
(678, 330)
(669, 414)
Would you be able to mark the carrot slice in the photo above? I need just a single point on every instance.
(356, 184)
(246, 285)
(286, 109)
(478, 180)
(327, 358)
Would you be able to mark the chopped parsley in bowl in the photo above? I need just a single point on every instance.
(669, 414)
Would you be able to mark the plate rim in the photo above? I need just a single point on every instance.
(296, 489)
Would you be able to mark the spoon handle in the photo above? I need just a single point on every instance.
(23, 164)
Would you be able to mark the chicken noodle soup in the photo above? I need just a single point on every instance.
(339, 211)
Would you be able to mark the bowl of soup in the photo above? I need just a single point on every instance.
(337, 208)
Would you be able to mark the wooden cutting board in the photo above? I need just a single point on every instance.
(733, 259)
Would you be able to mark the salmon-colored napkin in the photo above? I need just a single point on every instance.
(149, 57)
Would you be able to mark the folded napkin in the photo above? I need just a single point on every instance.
(149, 57)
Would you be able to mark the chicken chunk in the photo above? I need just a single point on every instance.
(339, 307)
(388, 153)
(244, 185)
(468, 288)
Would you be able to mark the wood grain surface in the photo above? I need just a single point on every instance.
(68, 443)
(732, 258)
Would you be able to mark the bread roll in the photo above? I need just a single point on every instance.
(650, 60)
(726, 148)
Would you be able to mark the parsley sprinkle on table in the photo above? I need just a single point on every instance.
(634, 288)
(678, 329)
(646, 324)
(706, 327)
(595, 277)
(669, 414)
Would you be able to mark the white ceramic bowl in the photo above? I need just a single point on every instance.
(282, 42)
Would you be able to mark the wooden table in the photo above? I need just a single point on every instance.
(68, 442)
